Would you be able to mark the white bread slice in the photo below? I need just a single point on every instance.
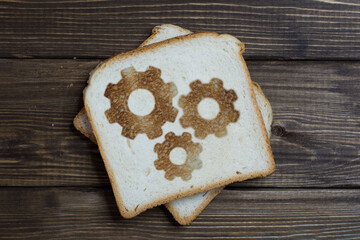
(248, 135)
(186, 209)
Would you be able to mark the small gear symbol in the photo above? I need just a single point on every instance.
(192, 156)
(133, 124)
(224, 98)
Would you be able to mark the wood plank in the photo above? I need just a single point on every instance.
(316, 104)
(308, 29)
(70, 213)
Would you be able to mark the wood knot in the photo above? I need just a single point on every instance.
(279, 131)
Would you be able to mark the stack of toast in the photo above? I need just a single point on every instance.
(176, 120)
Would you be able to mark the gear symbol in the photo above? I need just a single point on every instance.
(192, 156)
(224, 98)
(133, 124)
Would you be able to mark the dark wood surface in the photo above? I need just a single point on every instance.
(279, 29)
(304, 54)
(63, 213)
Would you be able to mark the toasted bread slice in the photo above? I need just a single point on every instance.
(136, 152)
(185, 210)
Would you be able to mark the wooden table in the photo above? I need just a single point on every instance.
(304, 54)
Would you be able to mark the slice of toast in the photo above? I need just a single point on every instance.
(185, 210)
(246, 136)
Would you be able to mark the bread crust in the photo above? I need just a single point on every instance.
(156, 30)
(270, 159)
(132, 213)
(264, 99)
(77, 123)
(189, 219)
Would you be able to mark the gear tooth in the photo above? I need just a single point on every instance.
(108, 114)
(157, 164)
(108, 90)
(186, 136)
(196, 150)
(128, 72)
(200, 134)
(129, 133)
(199, 147)
(182, 101)
(197, 164)
(171, 88)
(169, 135)
(157, 147)
(235, 116)
(173, 114)
(154, 70)
(222, 132)
(186, 177)
(196, 84)
(169, 176)
(216, 82)
(231, 94)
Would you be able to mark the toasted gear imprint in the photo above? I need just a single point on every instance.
(224, 98)
(133, 124)
(192, 156)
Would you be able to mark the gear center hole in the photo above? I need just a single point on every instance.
(178, 156)
(141, 102)
(208, 108)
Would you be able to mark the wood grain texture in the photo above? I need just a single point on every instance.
(309, 29)
(316, 104)
(53, 184)
(70, 213)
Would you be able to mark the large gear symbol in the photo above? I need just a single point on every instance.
(134, 124)
(192, 156)
(224, 98)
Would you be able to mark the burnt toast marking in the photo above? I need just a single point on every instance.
(192, 156)
(151, 123)
(223, 97)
